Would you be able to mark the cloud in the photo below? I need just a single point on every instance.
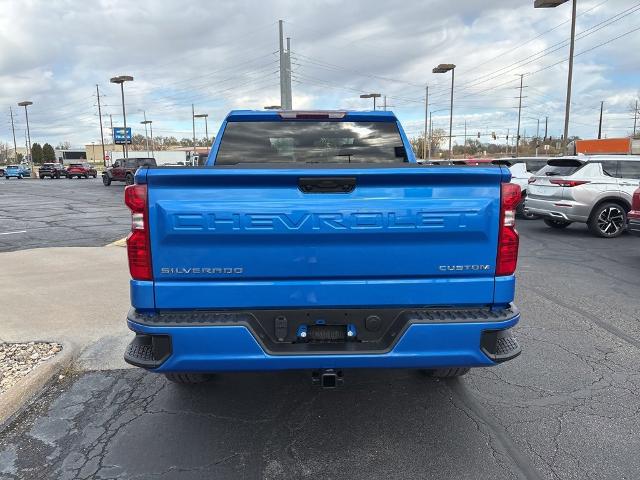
(222, 56)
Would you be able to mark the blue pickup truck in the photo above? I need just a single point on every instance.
(313, 240)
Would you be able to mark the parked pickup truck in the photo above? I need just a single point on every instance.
(124, 169)
(313, 240)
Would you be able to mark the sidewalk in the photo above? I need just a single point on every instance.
(71, 294)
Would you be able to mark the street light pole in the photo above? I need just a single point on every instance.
(25, 104)
(372, 95)
(444, 68)
(553, 4)
(120, 80)
(145, 123)
(206, 127)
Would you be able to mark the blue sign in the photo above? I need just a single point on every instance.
(119, 137)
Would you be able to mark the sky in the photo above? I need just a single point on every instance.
(223, 55)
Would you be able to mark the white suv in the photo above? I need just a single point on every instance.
(596, 190)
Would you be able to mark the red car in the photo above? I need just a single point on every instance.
(633, 217)
(81, 170)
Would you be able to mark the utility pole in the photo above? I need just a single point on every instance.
(193, 121)
(430, 133)
(635, 118)
(600, 124)
(426, 124)
(288, 77)
(567, 108)
(285, 70)
(283, 93)
(151, 128)
(537, 137)
(384, 106)
(507, 147)
(146, 137)
(546, 124)
(519, 112)
(15, 147)
(104, 162)
(464, 147)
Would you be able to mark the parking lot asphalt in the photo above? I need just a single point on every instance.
(568, 407)
(60, 213)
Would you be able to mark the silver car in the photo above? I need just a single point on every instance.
(595, 190)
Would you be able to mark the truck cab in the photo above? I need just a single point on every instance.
(313, 240)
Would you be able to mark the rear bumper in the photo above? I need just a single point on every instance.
(633, 225)
(458, 339)
(567, 210)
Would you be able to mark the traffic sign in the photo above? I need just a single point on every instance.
(119, 137)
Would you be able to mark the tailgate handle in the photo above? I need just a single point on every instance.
(326, 184)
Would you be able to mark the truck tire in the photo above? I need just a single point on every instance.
(187, 378)
(550, 222)
(447, 372)
(128, 180)
(106, 180)
(608, 220)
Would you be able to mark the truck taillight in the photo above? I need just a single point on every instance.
(138, 247)
(508, 239)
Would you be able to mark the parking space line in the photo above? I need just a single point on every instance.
(13, 233)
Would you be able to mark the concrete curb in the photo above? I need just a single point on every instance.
(14, 400)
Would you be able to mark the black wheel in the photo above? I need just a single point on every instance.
(86, 175)
(41, 177)
(106, 180)
(550, 222)
(447, 372)
(187, 378)
(95, 176)
(128, 179)
(608, 220)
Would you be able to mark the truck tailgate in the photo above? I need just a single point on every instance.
(241, 238)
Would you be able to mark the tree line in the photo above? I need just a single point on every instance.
(42, 153)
